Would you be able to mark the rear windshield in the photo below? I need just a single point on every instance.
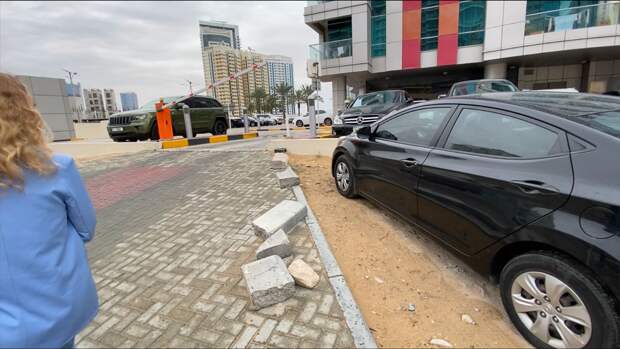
(608, 122)
(483, 86)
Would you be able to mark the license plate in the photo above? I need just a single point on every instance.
(117, 129)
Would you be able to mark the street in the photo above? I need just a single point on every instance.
(173, 230)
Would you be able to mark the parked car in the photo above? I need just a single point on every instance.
(267, 119)
(524, 186)
(238, 121)
(481, 86)
(368, 108)
(322, 118)
(207, 116)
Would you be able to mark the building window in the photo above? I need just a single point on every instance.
(553, 16)
(377, 27)
(338, 39)
(339, 29)
(430, 24)
(471, 22)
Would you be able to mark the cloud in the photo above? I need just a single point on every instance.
(151, 48)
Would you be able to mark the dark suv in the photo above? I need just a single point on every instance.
(207, 116)
(368, 108)
(524, 186)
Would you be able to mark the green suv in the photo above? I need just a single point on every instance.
(207, 115)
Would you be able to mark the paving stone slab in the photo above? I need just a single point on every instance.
(268, 281)
(279, 161)
(284, 215)
(276, 245)
(287, 178)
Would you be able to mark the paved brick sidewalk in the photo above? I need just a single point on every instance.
(173, 230)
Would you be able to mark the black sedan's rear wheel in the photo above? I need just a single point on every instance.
(556, 303)
(345, 179)
(299, 123)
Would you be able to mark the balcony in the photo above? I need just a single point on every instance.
(331, 50)
(573, 18)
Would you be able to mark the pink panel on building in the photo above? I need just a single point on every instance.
(447, 49)
(412, 5)
(411, 53)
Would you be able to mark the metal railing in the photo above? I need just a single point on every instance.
(331, 49)
(573, 18)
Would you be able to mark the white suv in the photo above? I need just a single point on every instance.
(322, 118)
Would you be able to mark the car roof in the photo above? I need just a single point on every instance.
(480, 80)
(562, 104)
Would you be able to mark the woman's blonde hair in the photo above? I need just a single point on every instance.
(23, 143)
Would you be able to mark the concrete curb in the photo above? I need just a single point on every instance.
(362, 337)
(184, 142)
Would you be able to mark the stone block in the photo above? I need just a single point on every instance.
(284, 215)
(268, 281)
(287, 178)
(279, 161)
(303, 274)
(276, 245)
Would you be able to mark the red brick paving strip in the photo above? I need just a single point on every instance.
(110, 188)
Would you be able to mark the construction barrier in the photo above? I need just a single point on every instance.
(184, 142)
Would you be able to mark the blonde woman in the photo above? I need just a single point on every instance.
(47, 293)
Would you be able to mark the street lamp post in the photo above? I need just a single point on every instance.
(71, 74)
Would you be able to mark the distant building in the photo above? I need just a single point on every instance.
(51, 99)
(110, 101)
(95, 107)
(280, 71)
(219, 34)
(76, 103)
(129, 101)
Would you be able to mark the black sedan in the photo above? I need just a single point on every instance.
(524, 186)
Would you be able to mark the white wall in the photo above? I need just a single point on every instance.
(505, 34)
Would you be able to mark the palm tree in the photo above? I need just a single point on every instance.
(259, 96)
(299, 98)
(307, 92)
(283, 90)
(271, 102)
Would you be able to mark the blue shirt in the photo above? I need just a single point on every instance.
(47, 293)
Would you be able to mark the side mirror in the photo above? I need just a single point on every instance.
(364, 132)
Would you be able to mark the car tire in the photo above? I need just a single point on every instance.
(219, 127)
(549, 313)
(154, 133)
(118, 139)
(299, 123)
(327, 122)
(344, 177)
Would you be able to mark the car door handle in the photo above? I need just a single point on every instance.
(535, 187)
(409, 162)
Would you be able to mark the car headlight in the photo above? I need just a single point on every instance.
(338, 121)
(140, 117)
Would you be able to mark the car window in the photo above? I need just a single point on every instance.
(212, 103)
(608, 122)
(192, 103)
(484, 132)
(414, 127)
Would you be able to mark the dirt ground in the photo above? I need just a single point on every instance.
(390, 267)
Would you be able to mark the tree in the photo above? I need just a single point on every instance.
(271, 102)
(259, 96)
(299, 98)
(283, 90)
(307, 92)
(251, 108)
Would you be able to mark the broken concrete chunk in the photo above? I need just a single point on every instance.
(303, 274)
(442, 343)
(268, 281)
(284, 215)
(279, 161)
(287, 178)
(276, 245)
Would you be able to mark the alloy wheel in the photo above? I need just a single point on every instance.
(343, 176)
(551, 310)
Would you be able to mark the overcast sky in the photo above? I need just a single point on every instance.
(150, 48)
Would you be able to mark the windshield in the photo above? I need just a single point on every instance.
(376, 98)
(608, 122)
(150, 105)
(469, 88)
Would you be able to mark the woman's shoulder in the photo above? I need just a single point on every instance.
(63, 161)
